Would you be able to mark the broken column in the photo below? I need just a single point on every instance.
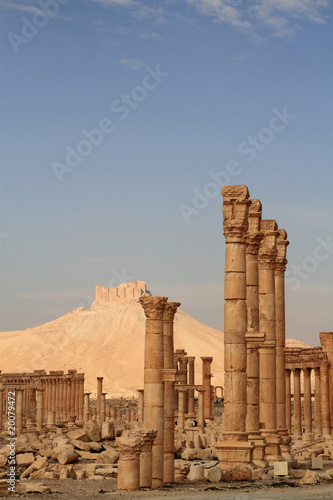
(129, 464)
(235, 449)
(307, 406)
(148, 436)
(153, 380)
(19, 411)
(39, 410)
(140, 404)
(317, 404)
(99, 396)
(86, 414)
(190, 404)
(297, 404)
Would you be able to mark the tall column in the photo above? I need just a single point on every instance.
(86, 414)
(99, 392)
(267, 355)
(39, 410)
(325, 400)
(297, 403)
(73, 395)
(102, 407)
(140, 404)
(288, 399)
(190, 404)
(19, 411)
(235, 225)
(206, 381)
(169, 376)
(153, 380)
(81, 399)
(77, 392)
(65, 399)
(326, 340)
(317, 404)
(280, 325)
(57, 404)
(113, 412)
(307, 405)
(181, 409)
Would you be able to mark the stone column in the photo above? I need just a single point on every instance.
(326, 340)
(235, 449)
(190, 404)
(73, 388)
(57, 404)
(169, 377)
(102, 407)
(77, 397)
(113, 412)
(288, 399)
(317, 404)
(206, 379)
(201, 407)
(297, 404)
(1, 409)
(307, 405)
(148, 437)
(153, 380)
(140, 404)
(61, 398)
(19, 411)
(267, 355)
(128, 464)
(280, 325)
(325, 400)
(86, 413)
(81, 399)
(39, 411)
(99, 392)
(181, 409)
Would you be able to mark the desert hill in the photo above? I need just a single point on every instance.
(108, 341)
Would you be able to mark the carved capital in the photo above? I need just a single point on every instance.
(129, 447)
(147, 436)
(253, 242)
(280, 267)
(267, 258)
(235, 213)
(170, 310)
(153, 306)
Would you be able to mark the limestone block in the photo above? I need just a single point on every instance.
(210, 464)
(81, 445)
(330, 472)
(213, 475)
(189, 454)
(204, 454)
(86, 455)
(64, 474)
(67, 455)
(180, 445)
(3, 460)
(25, 459)
(79, 435)
(38, 474)
(316, 463)
(197, 442)
(80, 474)
(95, 446)
(93, 431)
(60, 441)
(182, 468)
(56, 451)
(309, 478)
(36, 488)
(317, 450)
(281, 468)
(107, 472)
(196, 473)
(47, 444)
(45, 453)
(109, 456)
(298, 473)
(50, 475)
(323, 476)
(107, 430)
(90, 468)
(238, 473)
(190, 444)
(118, 430)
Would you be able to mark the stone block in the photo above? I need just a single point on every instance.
(81, 445)
(93, 431)
(79, 435)
(309, 478)
(281, 468)
(107, 430)
(189, 454)
(238, 473)
(109, 456)
(86, 455)
(67, 456)
(316, 463)
(95, 446)
(36, 488)
(38, 474)
(3, 460)
(25, 459)
(107, 472)
(80, 474)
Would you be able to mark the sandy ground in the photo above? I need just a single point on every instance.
(93, 489)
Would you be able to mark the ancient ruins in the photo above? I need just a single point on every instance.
(274, 412)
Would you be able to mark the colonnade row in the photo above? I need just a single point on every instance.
(304, 418)
(40, 398)
(254, 420)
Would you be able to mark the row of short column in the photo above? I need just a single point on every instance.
(304, 427)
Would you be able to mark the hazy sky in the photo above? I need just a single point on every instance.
(120, 122)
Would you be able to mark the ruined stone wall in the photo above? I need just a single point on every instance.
(124, 291)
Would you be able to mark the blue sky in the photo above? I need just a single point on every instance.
(120, 122)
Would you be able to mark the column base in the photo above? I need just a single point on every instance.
(307, 437)
(233, 453)
(259, 449)
(285, 444)
(272, 451)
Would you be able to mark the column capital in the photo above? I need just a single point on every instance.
(207, 359)
(148, 437)
(281, 245)
(191, 359)
(254, 339)
(254, 235)
(235, 213)
(170, 310)
(153, 306)
(129, 447)
(268, 250)
(100, 378)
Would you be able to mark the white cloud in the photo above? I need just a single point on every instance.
(280, 18)
(134, 64)
(12, 5)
